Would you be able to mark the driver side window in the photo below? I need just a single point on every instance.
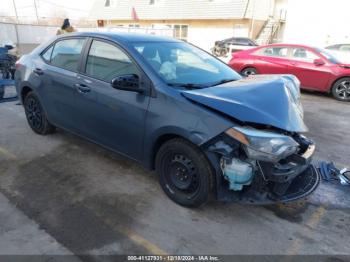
(106, 61)
(303, 55)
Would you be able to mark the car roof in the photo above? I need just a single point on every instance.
(124, 36)
(287, 45)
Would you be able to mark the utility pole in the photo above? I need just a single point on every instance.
(16, 25)
(253, 21)
(36, 12)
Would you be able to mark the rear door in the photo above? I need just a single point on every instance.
(114, 118)
(273, 60)
(310, 75)
(58, 76)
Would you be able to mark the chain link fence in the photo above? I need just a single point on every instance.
(27, 36)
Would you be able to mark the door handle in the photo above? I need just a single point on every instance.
(38, 71)
(82, 88)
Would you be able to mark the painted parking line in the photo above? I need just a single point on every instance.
(130, 234)
(316, 217)
(6, 153)
(133, 236)
(141, 241)
(311, 223)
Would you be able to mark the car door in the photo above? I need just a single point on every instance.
(272, 60)
(310, 74)
(58, 77)
(111, 117)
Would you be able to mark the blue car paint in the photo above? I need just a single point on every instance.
(261, 100)
(132, 123)
(126, 122)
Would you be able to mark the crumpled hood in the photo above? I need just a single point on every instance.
(272, 100)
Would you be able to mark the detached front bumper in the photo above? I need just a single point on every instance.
(289, 180)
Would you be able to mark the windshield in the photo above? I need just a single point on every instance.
(181, 64)
(335, 57)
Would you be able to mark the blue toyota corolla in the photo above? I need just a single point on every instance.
(176, 109)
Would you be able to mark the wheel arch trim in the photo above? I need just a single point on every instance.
(165, 134)
(336, 80)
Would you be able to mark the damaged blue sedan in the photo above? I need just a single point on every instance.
(176, 109)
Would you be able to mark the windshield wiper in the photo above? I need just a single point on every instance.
(223, 81)
(187, 85)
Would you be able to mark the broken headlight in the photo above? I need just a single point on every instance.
(264, 145)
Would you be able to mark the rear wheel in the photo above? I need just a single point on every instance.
(185, 174)
(36, 116)
(249, 71)
(341, 89)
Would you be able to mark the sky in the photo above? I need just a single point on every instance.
(25, 8)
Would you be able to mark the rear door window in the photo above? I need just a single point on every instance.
(66, 53)
(106, 61)
(281, 52)
(241, 41)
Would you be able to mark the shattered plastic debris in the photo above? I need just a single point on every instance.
(329, 173)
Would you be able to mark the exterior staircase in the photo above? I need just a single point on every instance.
(269, 31)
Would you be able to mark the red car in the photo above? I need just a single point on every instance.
(316, 68)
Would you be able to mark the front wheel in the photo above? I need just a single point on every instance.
(36, 116)
(341, 89)
(185, 174)
(249, 71)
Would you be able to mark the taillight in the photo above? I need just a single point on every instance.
(18, 64)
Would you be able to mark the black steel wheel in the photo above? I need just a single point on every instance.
(36, 116)
(249, 71)
(341, 89)
(185, 174)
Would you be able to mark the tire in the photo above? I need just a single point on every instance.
(341, 89)
(36, 115)
(185, 174)
(249, 71)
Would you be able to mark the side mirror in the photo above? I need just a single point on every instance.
(319, 62)
(130, 82)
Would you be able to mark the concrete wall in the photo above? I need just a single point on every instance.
(318, 23)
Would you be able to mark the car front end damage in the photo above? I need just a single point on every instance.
(263, 158)
(262, 167)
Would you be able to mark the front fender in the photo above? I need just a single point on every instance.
(19, 88)
(178, 116)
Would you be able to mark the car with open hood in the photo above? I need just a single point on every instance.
(176, 109)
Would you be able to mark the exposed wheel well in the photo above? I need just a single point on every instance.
(160, 141)
(25, 91)
(249, 67)
(330, 88)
